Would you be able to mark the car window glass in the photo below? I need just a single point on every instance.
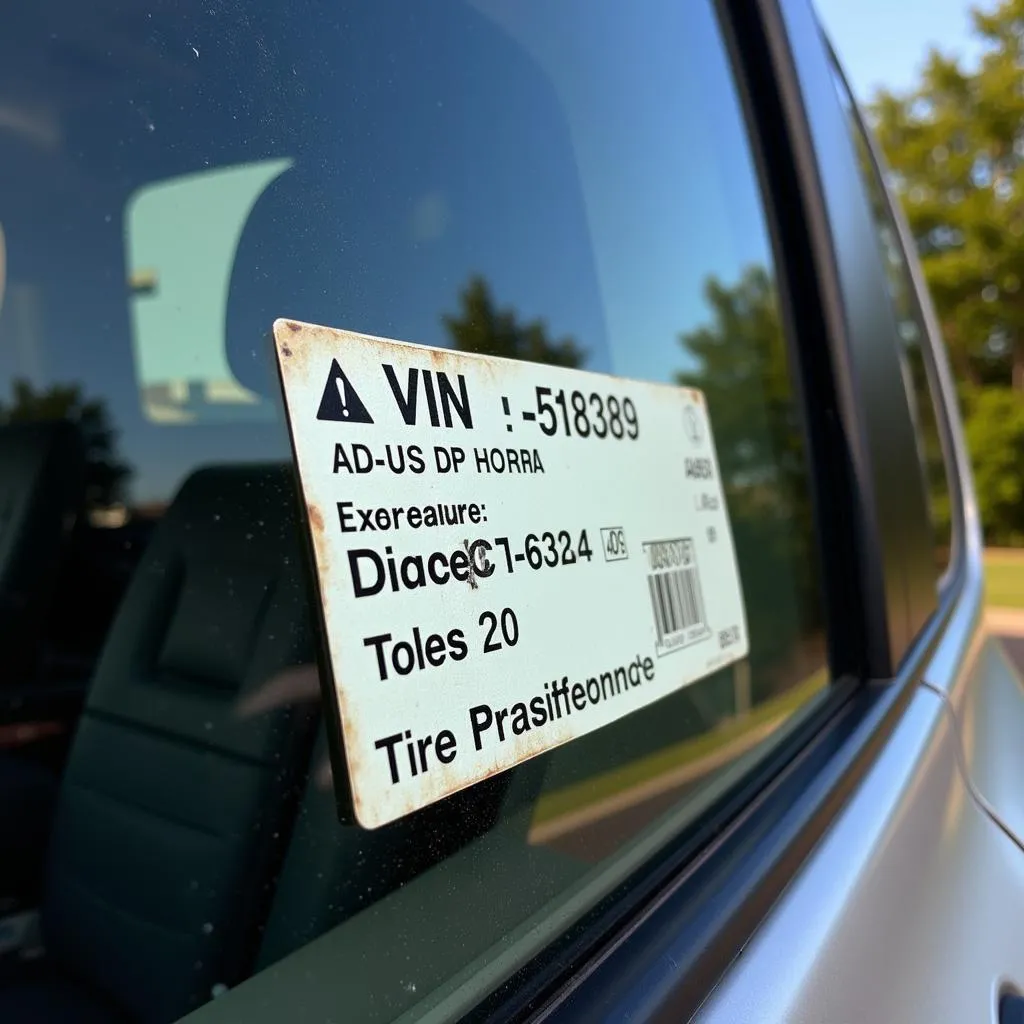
(568, 183)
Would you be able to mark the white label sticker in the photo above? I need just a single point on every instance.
(509, 555)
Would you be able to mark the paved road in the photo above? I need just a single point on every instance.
(1008, 625)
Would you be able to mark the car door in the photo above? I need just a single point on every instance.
(810, 812)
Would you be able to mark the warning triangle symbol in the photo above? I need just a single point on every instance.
(340, 401)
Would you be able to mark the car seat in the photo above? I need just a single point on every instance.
(173, 810)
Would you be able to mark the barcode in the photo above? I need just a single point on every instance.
(676, 598)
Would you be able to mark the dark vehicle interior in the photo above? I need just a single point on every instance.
(169, 826)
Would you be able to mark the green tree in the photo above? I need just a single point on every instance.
(480, 326)
(995, 433)
(106, 476)
(955, 144)
(742, 368)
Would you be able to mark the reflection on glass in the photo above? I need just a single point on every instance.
(106, 475)
(516, 179)
(480, 326)
(743, 370)
(741, 366)
(182, 236)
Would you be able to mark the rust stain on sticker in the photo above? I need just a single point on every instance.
(354, 764)
(316, 520)
(295, 344)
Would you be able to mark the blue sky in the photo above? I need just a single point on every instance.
(884, 42)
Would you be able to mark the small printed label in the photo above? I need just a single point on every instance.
(676, 600)
(478, 608)
(613, 543)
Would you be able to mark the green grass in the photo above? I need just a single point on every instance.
(1004, 578)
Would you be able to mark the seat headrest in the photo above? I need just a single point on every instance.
(217, 606)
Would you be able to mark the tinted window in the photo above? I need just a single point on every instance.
(918, 374)
(561, 182)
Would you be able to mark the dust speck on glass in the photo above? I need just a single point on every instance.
(562, 182)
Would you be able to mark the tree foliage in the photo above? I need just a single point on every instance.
(955, 144)
(995, 430)
(741, 366)
(106, 475)
(480, 326)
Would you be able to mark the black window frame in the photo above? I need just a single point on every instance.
(941, 388)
